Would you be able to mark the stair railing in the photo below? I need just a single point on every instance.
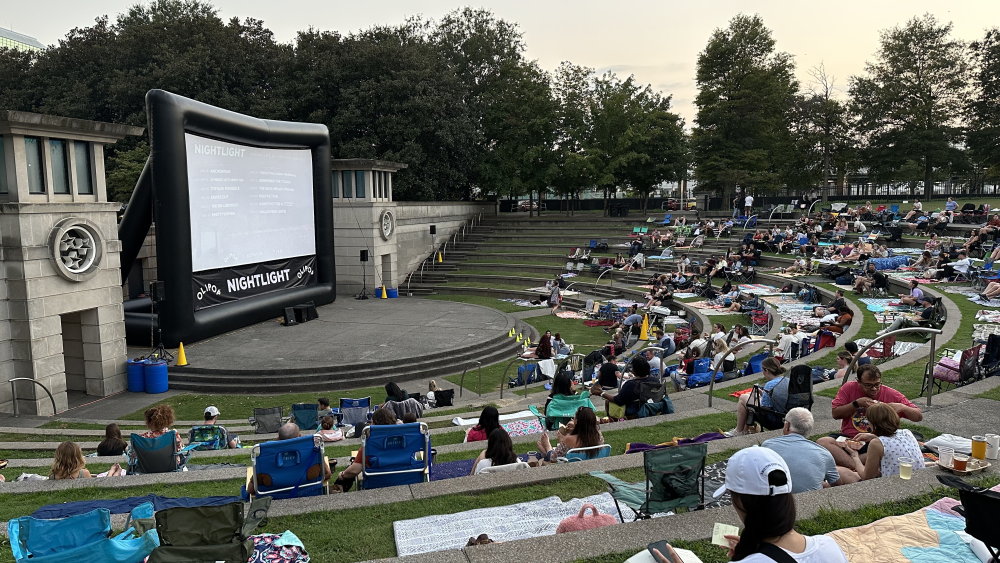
(13, 393)
(461, 382)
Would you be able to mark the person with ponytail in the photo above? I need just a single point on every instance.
(759, 482)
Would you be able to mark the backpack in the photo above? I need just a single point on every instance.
(210, 436)
(701, 379)
(844, 280)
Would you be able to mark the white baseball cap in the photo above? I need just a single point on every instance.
(212, 410)
(748, 469)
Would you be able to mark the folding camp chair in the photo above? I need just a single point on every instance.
(267, 421)
(574, 253)
(155, 455)
(644, 230)
(355, 411)
(760, 322)
(398, 454)
(991, 361)
(208, 437)
(979, 507)
(561, 409)
(206, 533)
(583, 454)
(593, 243)
(285, 469)
(894, 208)
(799, 395)
(968, 370)
(306, 415)
(885, 352)
(753, 365)
(674, 479)
(879, 289)
(82, 538)
(666, 220)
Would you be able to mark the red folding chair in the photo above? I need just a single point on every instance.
(886, 351)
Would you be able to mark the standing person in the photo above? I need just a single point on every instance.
(748, 205)
(736, 204)
(112, 443)
(554, 298)
(760, 484)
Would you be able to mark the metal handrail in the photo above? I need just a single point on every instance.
(13, 393)
(503, 378)
(809, 212)
(611, 269)
(928, 370)
(461, 382)
(715, 368)
(769, 217)
(748, 221)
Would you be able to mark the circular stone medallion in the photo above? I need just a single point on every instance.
(386, 224)
(76, 246)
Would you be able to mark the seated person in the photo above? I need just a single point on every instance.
(837, 303)
(865, 281)
(850, 406)
(211, 418)
(669, 344)
(562, 384)
(915, 296)
(655, 364)
(725, 362)
(992, 226)
(499, 451)
(68, 463)
(917, 208)
(991, 290)
(394, 393)
(852, 349)
(432, 388)
(799, 266)
(608, 374)
(842, 322)
(942, 222)
(112, 444)
(329, 433)
(633, 318)
(559, 346)
(774, 396)
(543, 351)
(812, 466)
(784, 347)
(158, 420)
(904, 321)
(629, 394)
(972, 242)
(581, 432)
(925, 262)
(489, 420)
(844, 359)
(345, 479)
(324, 408)
(886, 442)
(960, 266)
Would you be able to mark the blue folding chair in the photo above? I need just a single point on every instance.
(156, 455)
(286, 469)
(397, 454)
(82, 538)
(593, 243)
(583, 454)
(753, 366)
(306, 415)
(895, 209)
(355, 411)
(701, 365)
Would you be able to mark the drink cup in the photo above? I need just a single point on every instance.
(905, 468)
(979, 447)
(992, 446)
(945, 456)
(961, 462)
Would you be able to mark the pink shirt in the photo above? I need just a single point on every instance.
(858, 422)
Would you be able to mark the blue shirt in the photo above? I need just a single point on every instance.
(951, 206)
(776, 394)
(633, 319)
(808, 462)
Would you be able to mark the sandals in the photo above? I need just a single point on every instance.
(482, 539)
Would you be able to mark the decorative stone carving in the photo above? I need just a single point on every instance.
(76, 247)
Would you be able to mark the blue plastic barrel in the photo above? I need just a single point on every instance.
(391, 293)
(155, 376)
(136, 379)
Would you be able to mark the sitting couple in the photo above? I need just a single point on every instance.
(638, 397)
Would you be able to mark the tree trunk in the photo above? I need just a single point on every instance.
(531, 203)
(928, 179)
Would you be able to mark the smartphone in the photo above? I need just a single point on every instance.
(662, 547)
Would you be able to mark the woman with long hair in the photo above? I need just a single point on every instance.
(562, 384)
(887, 442)
(394, 393)
(581, 432)
(489, 420)
(112, 443)
(774, 395)
(499, 451)
(544, 349)
(68, 463)
(759, 482)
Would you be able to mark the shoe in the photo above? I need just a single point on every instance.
(734, 432)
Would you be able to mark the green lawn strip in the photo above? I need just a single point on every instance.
(724, 393)
(828, 520)
(572, 331)
(509, 273)
(493, 285)
(908, 379)
(491, 302)
(57, 425)
(991, 394)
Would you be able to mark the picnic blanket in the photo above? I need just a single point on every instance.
(125, 505)
(981, 333)
(459, 421)
(523, 427)
(502, 523)
(524, 302)
(546, 290)
(684, 295)
(758, 288)
(571, 315)
(598, 323)
(931, 534)
(709, 308)
(898, 349)
(988, 316)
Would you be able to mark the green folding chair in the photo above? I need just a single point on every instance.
(561, 409)
(644, 231)
(675, 478)
(635, 231)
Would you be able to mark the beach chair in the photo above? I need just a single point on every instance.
(208, 437)
(979, 507)
(574, 253)
(505, 468)
(355, 411)
(635, 232)
(967, 372)
(666, 220)
(760, 322)
(267, 421)
(155, 455)
(753, 365)
(800, 394)
(583, 454)
(285, 469)
(698, 241)
(593, 243)
(206, 533)
(885, 352)
(561, 409)
(306, 415)
(674, 479)
(398, 454)
(82, 538)
(644, 231)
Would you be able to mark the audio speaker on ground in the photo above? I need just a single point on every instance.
(157, 291)
(289, 317)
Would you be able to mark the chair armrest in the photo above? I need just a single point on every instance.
(247, 484)
(326, 480)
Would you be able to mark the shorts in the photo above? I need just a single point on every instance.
(863, 450)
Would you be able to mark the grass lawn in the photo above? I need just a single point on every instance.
(571, 330)
(724, 393)
(991, 394)
(826, 521)
(494, 285)
(491, 302)
(541, 276)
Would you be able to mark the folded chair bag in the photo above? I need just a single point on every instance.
(208, 533)
(267, 421)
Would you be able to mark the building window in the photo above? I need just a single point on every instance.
(380, 182)
(33, 154)
(346, 176)
(336, 185)
(3, 167)
(84, 182)
(60, 166)
(359, 176)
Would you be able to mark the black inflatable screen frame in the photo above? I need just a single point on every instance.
(165, 181)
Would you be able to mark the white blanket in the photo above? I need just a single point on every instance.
(501, 523)
(459, 421)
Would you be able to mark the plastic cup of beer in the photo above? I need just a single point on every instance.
(945, 456)
(979, 447)
(905, 467)
(961, 462)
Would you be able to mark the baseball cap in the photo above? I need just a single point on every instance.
(747, 472)
(212, 410)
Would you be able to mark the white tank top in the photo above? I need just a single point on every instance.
(900, 444)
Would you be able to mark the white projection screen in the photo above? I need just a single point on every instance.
(248, 204)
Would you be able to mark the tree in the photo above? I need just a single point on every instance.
(821, 133)
(983, 107)
(658, 137)
(909, 102)
(573, 169)
(745, 94)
